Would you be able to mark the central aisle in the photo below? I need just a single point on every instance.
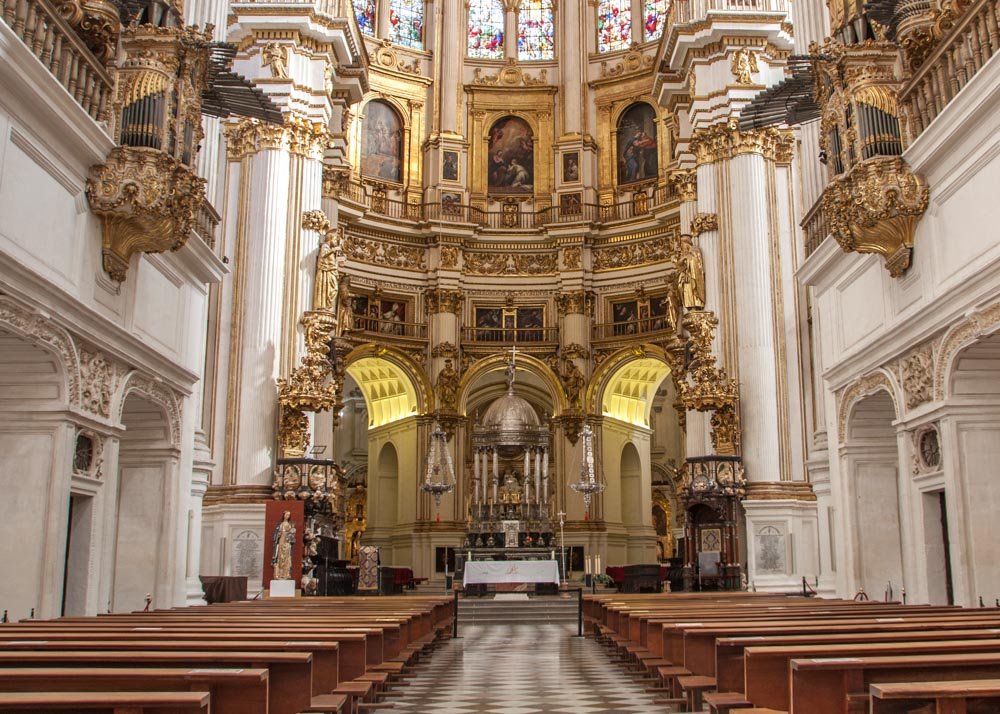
(522, 669)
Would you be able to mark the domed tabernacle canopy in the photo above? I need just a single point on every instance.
(510, 424)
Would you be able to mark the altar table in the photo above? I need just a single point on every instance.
(511, 571)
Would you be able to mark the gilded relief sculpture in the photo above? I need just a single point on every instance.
(446, 387)
(690, 274)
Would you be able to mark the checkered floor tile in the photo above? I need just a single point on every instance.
(522, 669)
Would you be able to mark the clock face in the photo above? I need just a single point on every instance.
(930, 449)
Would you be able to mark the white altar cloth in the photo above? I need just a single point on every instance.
(511, 571)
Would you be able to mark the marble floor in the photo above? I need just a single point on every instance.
(522, 669)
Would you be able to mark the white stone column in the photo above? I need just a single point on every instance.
(262, 262)
(754, 287)
(450, 57)
(510, 31)
(572, 51)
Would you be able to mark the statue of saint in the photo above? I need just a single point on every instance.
(345, 315)
(282, 541)
(573, 380)
(744, 63)
(327, 275)
(690, 274)
(447, 386)
(674, 307)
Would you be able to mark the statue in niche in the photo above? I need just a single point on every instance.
(573, 381)
(345, 314)
(275, 56)
(327, 285)
(447, 386)
(282, 541)
(690, 274)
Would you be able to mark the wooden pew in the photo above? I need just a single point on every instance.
(106, 702)
(945, 697)
(233, 691)
(289, 673)
(837, 685)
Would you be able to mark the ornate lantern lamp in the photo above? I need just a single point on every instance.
(588, 485)
(440, 476)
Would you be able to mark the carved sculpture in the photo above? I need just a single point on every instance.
(275, 56)
(446, 387)
(282, 541)
(743, 64)
(690, 274)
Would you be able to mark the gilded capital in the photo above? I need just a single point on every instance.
(297, 136)
(685, 183)
(703, 223)
(579, 302)
(724, 141)
(444, 300)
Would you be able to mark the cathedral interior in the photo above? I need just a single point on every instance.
(703, 284)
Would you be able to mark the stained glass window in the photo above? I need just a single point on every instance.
(406, 22)
(365, 12)
(535, 30)
(486, 29)
(654, 16)
(614, 25)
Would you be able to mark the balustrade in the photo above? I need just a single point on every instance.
(962, 52)
(390, 328)
(631, 328)
(508, 335)
(56, 45)
(815, 226)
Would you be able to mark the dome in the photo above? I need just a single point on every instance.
(510, 413)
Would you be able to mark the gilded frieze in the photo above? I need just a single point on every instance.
(510, 264)
(631, 255)
(572, 258)
(388, 254)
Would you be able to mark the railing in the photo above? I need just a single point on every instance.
(815, 227)
(513, 218)
(387, 327)
(620, 330)
(206, 220)
(51, 39)
(510, 334)
(973, 40)
(684, 11)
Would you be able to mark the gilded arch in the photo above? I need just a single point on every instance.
(604, 374)
(533, 365)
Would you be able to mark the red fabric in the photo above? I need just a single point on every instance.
(616, 573)
(402, 576)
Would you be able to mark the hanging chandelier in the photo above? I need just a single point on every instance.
(588, 485)
(440, 477)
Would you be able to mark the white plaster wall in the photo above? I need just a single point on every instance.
(140, 530)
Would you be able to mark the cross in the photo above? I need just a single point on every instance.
(511, 367)
(562, 516)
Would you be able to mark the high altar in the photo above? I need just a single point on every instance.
(510, 516)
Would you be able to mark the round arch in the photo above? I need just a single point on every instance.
(865, 387)
(156, 393)
(613, 371)
(394, 387)
(530, 364)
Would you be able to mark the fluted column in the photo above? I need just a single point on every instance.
(754, 287)
(452, 23)
(573, 52)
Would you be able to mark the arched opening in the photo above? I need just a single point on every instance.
(631, 474)
(36, 443)
(872, 468)
(970, 445)
(147, 464)
(387, 487)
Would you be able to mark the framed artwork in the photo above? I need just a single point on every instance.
(571, 167)
(449, 166)
(570, 204)
(659, 307)
(489, 317)
(637, 144)
(392, 314)
(359, 305)
(511, 149)
(451, 202)
(382, 142)
(625, 315)
(530, 321)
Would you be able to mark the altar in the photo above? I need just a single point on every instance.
(488, 572)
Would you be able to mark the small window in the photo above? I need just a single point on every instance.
(406, 23)
(614, 25)
(535, 30)
(83, 456)
(364, 10)
(654, 18)
(486, 28)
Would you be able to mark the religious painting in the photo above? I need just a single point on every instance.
(449, 166)
(511, 161)
(625, 315)
(571, 167)
(637, 146)
(359, 305)
(659, 309)
(392, 316)
(382, 142)
(489, 320)
(451, 202)
(530, 320)
(570, 204)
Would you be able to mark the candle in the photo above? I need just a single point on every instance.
(597, 567)
(538, 477)
(475, 474)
